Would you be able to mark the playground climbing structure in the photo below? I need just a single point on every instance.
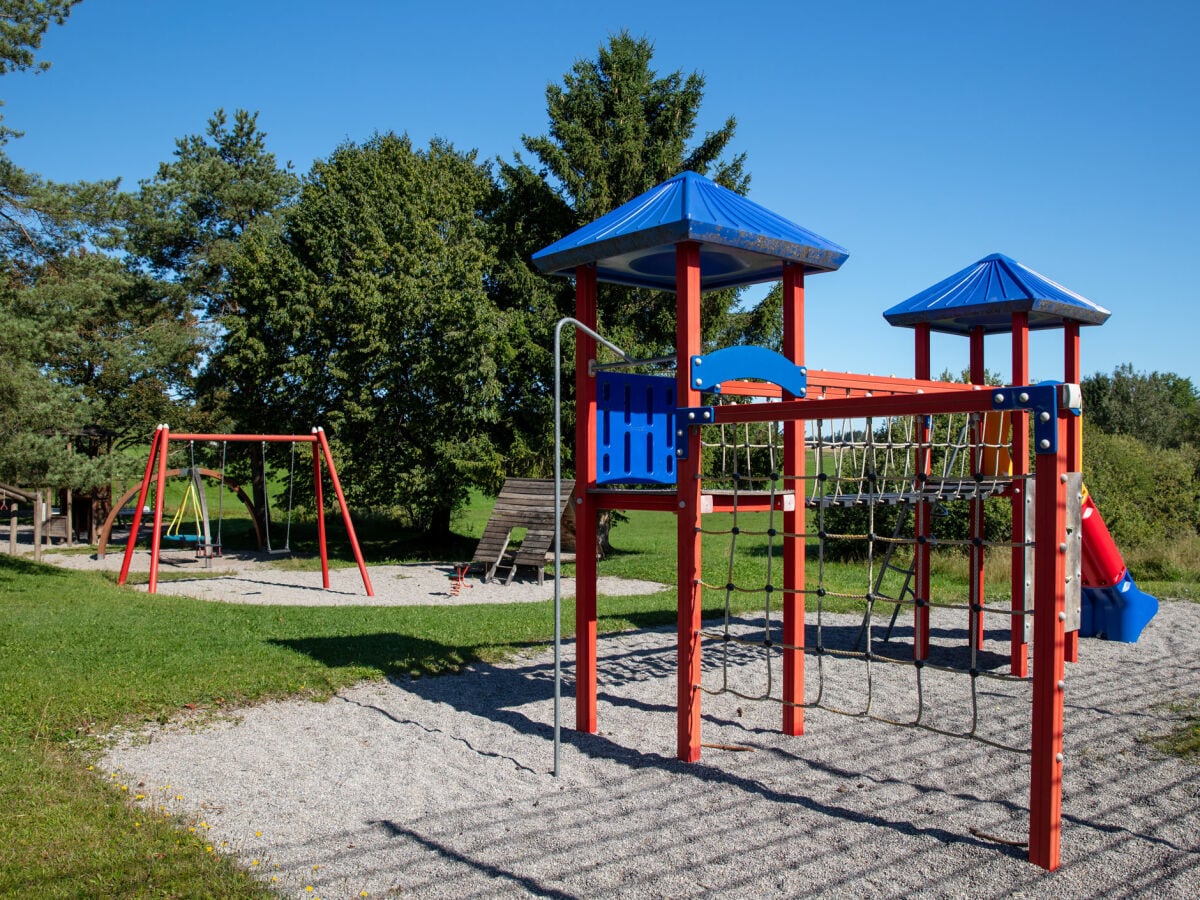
(840, 439)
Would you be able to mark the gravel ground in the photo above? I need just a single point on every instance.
(441, 787)
(255, 578)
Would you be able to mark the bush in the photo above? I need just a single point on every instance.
(1148, 496)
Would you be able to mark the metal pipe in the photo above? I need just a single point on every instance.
(269, 438)
(558, 515)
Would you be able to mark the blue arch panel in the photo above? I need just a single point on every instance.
(730, 363)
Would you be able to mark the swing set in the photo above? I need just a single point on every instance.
(194, 507)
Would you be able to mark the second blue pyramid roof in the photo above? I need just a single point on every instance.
(986, 294)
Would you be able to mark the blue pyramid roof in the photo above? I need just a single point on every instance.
(986, 294)
(741, 242)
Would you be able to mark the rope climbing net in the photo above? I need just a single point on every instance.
(865, 484)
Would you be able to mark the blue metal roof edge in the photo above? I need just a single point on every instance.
(1048, 302)
(816, 253)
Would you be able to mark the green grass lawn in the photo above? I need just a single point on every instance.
(80, 656)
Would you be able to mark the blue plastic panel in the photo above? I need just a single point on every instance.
(634, 439)
(730, 363)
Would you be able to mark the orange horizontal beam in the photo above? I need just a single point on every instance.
(960, 400)
(846, 384)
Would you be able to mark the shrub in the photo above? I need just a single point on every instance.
(1148, 496)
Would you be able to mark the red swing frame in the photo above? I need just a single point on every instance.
(158, 460)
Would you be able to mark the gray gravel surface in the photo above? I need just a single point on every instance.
(441, 787)
(256, 578)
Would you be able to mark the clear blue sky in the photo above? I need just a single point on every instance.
(920, 136)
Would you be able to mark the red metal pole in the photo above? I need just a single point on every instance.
(1072, 365)
(1049, 582)
(337, 488)
(923, 524)
(244, 438)
(319, 494)
(978, 376)
(141, 504)
(585, 508)
(160, 489)
(793, 520)
(687, 517)
(1018, 648)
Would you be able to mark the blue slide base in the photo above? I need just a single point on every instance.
(1118, 613)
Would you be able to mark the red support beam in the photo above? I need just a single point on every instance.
(966, 399)
(649, 501)
(319, 495)
(1019, 651)
(923, 524)
(1072, 375)
(976, 587)
(585, 506)
(1018, 648)
(794, 519)
(319, 434)
(824, 385)
(141, 504)
(688, 488)
(248, 438)
(1045, 783)
(160, 488)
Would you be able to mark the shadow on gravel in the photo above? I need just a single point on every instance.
(396, 830)
(396, 656)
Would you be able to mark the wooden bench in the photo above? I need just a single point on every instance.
(523, 503)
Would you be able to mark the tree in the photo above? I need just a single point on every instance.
(1159, 409)
(23, 23)
(187, 220)
(365, 309)
(617, 129)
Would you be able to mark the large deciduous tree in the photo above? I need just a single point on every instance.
(366, 309)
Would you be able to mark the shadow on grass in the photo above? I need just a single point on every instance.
(13, 567)
(392, 654)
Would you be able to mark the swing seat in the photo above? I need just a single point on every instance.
(184, 538)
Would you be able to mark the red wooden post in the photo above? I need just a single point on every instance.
(793, 520)
(923, 525)
(585, 509)
(160, 488)
(141, 504)
(687, 344)
(1018, 648)
(319, 494)
(337, 489)
(978, 376)
(1049, 582)
(1071, 363)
